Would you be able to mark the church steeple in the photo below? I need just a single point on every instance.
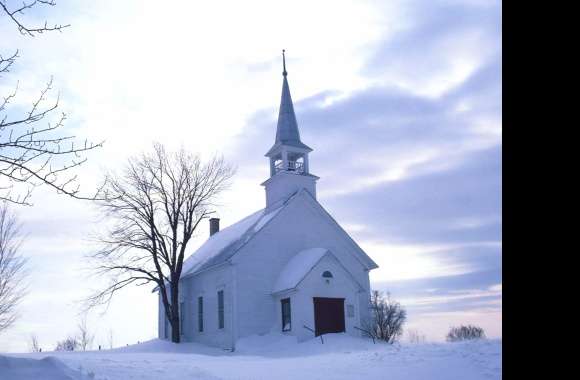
(289, 166)
(287, 129)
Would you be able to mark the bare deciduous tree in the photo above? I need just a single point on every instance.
(33, 345)
(110, 339)
(34, 150)
(12, 273)
(387, 318)
(85, 338)
(156, 203)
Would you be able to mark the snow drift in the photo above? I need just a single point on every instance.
(48, 368)
(270, 356)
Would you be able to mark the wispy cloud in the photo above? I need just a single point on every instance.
(400, 100)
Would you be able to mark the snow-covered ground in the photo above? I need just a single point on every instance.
(267, 357)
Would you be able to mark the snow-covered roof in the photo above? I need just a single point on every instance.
(222, 245)
(298, 267)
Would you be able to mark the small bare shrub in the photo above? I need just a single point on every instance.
(468, 332)
(387, 318)
(69, 344)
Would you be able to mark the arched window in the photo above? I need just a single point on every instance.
(327, 274)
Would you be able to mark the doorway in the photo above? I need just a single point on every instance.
(328, 315)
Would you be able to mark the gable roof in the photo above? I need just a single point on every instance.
(298, 267)
(301, 265)
(224, 244)
(362, 256)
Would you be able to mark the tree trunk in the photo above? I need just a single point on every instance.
(175, 332)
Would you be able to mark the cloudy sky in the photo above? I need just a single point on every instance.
(400, 100)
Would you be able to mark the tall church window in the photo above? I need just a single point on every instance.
(220, 309)
(286, 319)
(181, 314)
(200, 314)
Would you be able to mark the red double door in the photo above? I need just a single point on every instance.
(328, 315)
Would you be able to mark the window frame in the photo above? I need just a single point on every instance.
(200, 314)
(181, 316)
(327, 274)
(221, 309)
(288, 315)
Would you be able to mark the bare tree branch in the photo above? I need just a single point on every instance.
(27, 30)
(33, 155)
(157, 204)
(6, 62)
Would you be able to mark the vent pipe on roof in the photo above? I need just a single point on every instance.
(214, 225)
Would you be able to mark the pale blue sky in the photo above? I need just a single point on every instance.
(400, 100)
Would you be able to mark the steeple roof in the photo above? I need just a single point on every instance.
(287, 128)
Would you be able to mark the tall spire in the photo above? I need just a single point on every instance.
(287, 128)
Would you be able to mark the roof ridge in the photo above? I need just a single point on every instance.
(240, 241)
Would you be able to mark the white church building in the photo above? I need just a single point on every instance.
(287, 268)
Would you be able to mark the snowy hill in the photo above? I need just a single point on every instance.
(267, 357)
